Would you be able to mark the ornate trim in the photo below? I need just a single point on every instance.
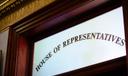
(3, 3)
(8, 5)
(19, 12)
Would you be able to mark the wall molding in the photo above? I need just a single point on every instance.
(16, 10)
(9, 5)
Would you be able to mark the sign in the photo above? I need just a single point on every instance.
(95, 41)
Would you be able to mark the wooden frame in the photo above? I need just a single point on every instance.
(24, 33)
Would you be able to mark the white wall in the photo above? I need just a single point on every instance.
(3, 47)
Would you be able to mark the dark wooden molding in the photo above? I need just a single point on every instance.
(125, 10)
(19, 55)
(61, 15)
(11, 54)
(58, 4)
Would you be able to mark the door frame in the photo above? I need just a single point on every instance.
(60, 16)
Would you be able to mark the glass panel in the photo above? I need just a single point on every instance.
(97, 40)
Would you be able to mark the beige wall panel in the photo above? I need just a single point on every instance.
(3, 47)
